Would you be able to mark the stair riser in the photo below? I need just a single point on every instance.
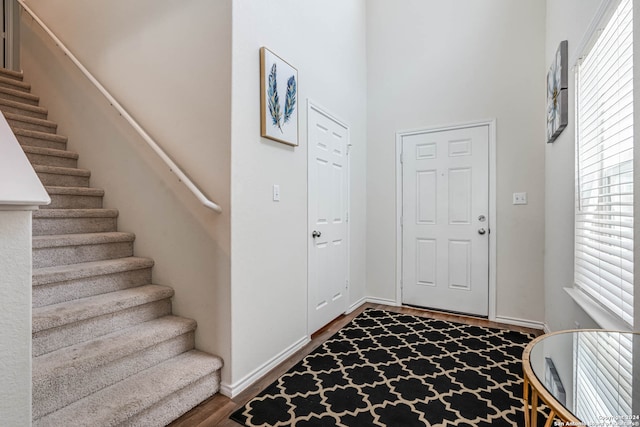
(69, 201)
(51, 226)
(44, 143)
(65, 255)
(54, 293)
(54, 392)
(53, 339)
(50, 179)
(43, 159)
(31, 126)
(24, 111)
(17, 98)
(9, 85)
(176, 404)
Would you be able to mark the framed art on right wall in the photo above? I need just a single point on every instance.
(557, 94)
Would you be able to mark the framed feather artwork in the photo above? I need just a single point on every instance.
(278, 98)
(557, 96)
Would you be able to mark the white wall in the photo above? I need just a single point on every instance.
(325, 41)
(434, 63)
(15, 317)
(169, 63)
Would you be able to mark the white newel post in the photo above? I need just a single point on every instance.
(20, 193)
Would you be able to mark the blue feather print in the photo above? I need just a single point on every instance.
(290, 100)
(274, 101)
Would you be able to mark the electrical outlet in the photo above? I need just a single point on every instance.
(577, 324)
(276, 193)
(519, 198)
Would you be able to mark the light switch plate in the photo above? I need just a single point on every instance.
(519, 198)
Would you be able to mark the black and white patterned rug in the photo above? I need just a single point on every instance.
(390, 369)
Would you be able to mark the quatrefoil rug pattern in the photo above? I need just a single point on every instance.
(390, 369)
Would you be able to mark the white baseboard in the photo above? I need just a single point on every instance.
(520, 322)
(374, 300)
(232, 390)
(546, 329)
(355, 305)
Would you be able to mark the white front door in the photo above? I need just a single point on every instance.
(328, 192)
(445, 219)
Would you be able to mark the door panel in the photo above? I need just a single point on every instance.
(445, 193)
(328, 255)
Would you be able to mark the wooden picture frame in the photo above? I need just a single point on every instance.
(278, 98)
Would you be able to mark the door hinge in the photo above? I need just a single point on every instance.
(346, 217)
(349, 148)
(401, 221)
(402, 157)
(346, 286)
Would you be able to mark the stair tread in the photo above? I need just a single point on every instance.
(107, 348)
(50, 152)
(59, 240)
(23, 106)
(27, 119)
(15, 82)
(76, 213)
(78, 191)
(17, 75)
(55, 315)
(58, 170)
(45, 275)
(20, 94)
(117, 403)
(40, 135)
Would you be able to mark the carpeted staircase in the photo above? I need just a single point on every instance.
(106, 349)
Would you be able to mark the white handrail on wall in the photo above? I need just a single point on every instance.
(147, 138)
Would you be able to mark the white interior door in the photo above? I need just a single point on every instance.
(445, 219)
(328, 192)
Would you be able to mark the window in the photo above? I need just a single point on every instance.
(604, 168)
(603, 376)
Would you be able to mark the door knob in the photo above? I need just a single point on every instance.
(482, 231)
(316, 234)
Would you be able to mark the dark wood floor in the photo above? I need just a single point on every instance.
(216, 411)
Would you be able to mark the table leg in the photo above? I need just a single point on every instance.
(549, 422)
(534, 408)
(525, 398)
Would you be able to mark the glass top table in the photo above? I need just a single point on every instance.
(585, 377)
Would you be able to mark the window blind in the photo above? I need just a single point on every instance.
(604, 167)
(603, 376)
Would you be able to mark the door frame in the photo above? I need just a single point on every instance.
(312, 105)
(11, 40)
(493, 233)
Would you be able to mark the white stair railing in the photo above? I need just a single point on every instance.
(182, 177)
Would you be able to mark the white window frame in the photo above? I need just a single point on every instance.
(587, 294)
